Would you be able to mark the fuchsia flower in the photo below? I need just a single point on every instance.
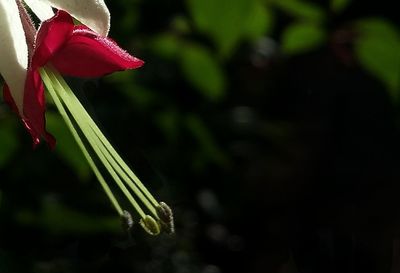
(37, 58)
(17, 34)
(73, 51)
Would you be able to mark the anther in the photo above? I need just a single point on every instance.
(164, 212)
(126, 220)
(150, 225)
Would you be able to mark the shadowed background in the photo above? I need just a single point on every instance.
(271, 127)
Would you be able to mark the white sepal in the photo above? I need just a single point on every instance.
(92, 13)
(13, 51)
(42, 10)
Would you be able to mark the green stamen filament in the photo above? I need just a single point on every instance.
(75, 134)
(107, 144)
(94, 143)
(113, 163)
(106, 148)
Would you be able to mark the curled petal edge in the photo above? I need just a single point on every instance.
(33, 116)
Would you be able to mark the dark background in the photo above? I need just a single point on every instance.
(271, 127)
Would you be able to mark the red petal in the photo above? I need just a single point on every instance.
(87, 54)
(51, 36)
(34, 108)
(77, 50)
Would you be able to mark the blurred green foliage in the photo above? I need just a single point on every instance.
(202, 70)
(378, 49)
(228, 22)
(203, 59)
(301, 10)
(302, 37)
(339, 5)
